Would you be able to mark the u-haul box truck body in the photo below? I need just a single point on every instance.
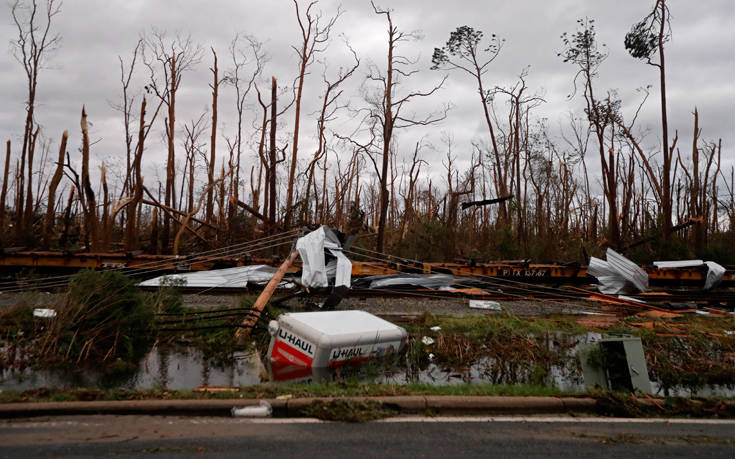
(332, 338)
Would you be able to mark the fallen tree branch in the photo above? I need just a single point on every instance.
(486, 202)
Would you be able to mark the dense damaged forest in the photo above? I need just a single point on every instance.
(518, 191)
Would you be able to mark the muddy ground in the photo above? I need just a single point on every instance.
(446, 306)
(377, 305)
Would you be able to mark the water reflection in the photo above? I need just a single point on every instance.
(190, 368)
(162, 367)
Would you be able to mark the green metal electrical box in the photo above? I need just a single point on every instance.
(616, 363)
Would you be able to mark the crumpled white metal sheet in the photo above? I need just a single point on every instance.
(316, 272)
(238, 277)
(617, 275)
(715, 271)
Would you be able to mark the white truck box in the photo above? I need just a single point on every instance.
(331, 338)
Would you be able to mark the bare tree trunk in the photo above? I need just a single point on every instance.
(387, 137)
(213, 141)
(4, 192)
(222, 226)
(131, 230)
(694, 209)
(323, 213)
(311, 36)
(91, 217)
(263, 168)
(106, 227)
(667, 154)
(67, 220)
(28, 209)
(48, 226)
(175, 58)
(272, 156)
(387, 109)
(154, 231)
(190, 215)
(294, 154)
(169, 199)
(20, 182)
(33, 42)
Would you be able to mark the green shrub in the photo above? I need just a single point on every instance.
(105, 317)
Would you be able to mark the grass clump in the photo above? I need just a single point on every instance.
(478, 327)
(342, 410)
(507, 348)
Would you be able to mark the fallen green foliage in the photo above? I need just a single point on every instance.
(260, 391)
(105, 317)
(342, 410)
(626, 405)
(212, 330)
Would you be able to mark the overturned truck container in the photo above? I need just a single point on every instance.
(332, 338)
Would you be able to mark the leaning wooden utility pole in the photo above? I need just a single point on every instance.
(249, 322)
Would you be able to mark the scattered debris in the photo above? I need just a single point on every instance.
(485, 304)
(714, 274)
(217, 389)
(715, 271)
(630, 298)
(323, 260)
(617, 275)
(238, 277)
(678, 264)
(408, 280)
(44, 313)
(598, 322)
(427, 340)
(659, 314)
(262, 410)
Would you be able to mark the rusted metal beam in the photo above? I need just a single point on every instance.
(47, 259)
(541, 273)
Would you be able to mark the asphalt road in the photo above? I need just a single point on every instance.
(398, 437)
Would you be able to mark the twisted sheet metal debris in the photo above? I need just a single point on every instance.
(322, 257)
(617, 275)
(238, 277)
(715, 271)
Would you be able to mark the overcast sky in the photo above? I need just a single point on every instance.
(85, 69)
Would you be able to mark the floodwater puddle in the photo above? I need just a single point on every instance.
(190, 368)
(162, 367)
